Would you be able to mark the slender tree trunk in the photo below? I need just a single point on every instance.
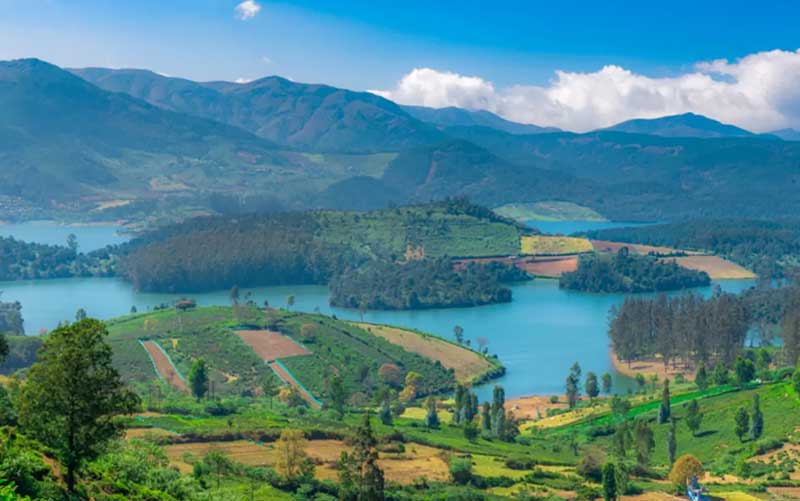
(71, 478)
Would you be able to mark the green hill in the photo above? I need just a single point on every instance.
(331, 347)
(451, 116)
(685, 125)
(308, 117)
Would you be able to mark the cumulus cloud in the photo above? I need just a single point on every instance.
(243, 80)
(247, 10)
(758, 92)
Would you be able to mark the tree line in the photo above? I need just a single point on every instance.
(686, 327)
(626, 272)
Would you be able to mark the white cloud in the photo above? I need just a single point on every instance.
(266, 60)
(247, 10)
(758, 92)
(243, 80)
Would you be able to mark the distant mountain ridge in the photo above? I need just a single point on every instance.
(451, 116)
(685, 125)
(308, 117)
(787, 134)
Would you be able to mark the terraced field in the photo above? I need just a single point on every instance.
(164, 367)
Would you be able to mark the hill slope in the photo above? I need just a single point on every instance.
(451, 116)
(64, 140)
(685, 125)
(309, 117)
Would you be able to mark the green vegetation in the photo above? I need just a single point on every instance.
(630, 273)
(381, 285)
(767, 247)
(301, 248)
(548, 211)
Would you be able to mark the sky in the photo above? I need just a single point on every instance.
(575, 65)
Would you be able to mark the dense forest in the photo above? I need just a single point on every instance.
(384, 285)
(767, 247)
(23, 261)
(11, 318)
(625, 272)
(309, 247)
(686, 327)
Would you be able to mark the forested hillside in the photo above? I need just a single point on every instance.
(312, 247)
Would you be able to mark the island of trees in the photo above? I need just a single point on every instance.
(626, 272)
(383, 285)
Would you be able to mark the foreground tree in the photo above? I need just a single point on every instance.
(672, 443)
(609, 482)
(73, 395)
(606, 382)
(644, 441)
(686, 467)
(741, 423)
(198, 378)
(664, 410)
(293, 463)
(591, 387)
(757, 419)
(360, 477)
(693, 416)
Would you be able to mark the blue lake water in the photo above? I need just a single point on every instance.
(49, 232)
(537, 336)
(570, 227)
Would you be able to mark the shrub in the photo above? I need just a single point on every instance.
(461, 470)
(686, 467)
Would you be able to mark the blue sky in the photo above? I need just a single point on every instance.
(362, 44)
(370, 44)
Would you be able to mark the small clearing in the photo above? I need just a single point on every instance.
(650, 367)
(164, 366)
(551, 267)
(614, 247)
(534, 406)
(467, 364)
(270, 345)
(716, 267)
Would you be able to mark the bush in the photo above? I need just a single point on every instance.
(461, 470)
(686, 467)
(591, 463)
(520, 463)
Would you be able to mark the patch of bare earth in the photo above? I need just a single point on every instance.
(164, 366)
(270, 345)
(715, 266)
(650, 367)
(533, 407)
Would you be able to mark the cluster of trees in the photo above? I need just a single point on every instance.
(11, 318)
(28, 261)
(213, 253)
(630, 273)
(686, 327)
(386, 285)
(591, 385)
(767, 247)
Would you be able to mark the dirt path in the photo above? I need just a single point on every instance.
(164, 366)
(287, 378)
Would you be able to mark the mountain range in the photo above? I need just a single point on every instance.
(131, 141)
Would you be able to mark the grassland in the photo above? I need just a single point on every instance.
(716, 267)
(549, 211)
(554, 245)
(469, 366)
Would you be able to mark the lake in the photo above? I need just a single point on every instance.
(537, 336)
(90, 237)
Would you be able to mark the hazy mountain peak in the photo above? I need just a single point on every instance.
(459, 117)
(683, 125)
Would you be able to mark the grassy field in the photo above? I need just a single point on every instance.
(468, 365)
(554, 245)
(549, 211)
(716, 267)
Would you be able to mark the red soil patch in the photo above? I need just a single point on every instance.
(533, 407)
(550, 267)
(164, 367)
(290, 381)
(270, 345)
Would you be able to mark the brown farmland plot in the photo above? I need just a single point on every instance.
(164, 366)
(270, 345)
